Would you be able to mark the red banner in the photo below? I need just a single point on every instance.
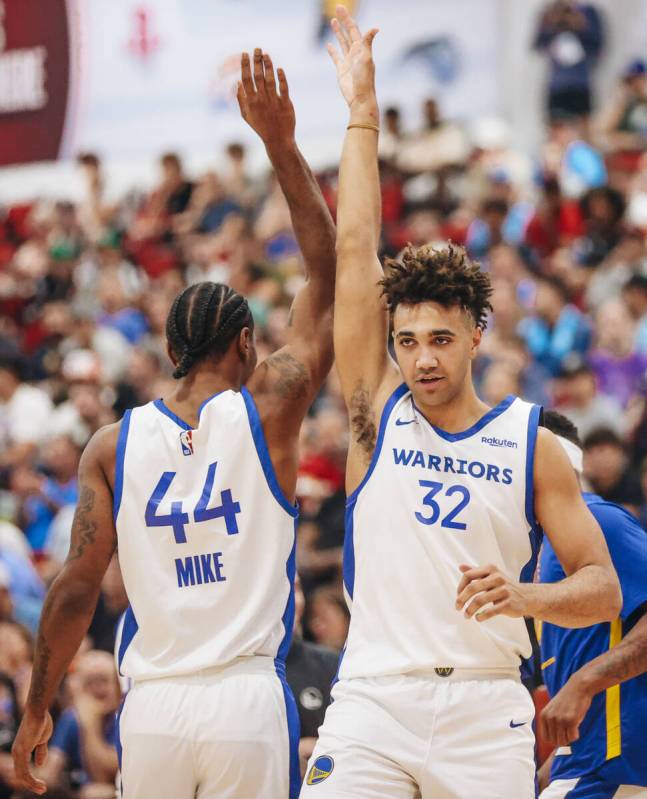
(34, 79)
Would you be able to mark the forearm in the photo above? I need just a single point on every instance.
(311, 220)
(588, 596)
(359, 201)
(65, 619)
(99, 758)
(624, 661)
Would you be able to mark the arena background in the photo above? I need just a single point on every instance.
(93, 249)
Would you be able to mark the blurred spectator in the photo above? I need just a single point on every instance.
(171, 197)
(622, 123)
(24, 411)
(634, 295)
(607, 469)
(620, 370)
(328, 617)
(556, 222)
(571, 35)
(557, 329)
(577, 164)
(44, 494)
(82, 748)
(603, 210)
(577, 397)
(438, 144)
(310, 671)
(391, 134)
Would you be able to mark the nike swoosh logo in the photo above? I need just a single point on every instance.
(517, 724)
(402, 422)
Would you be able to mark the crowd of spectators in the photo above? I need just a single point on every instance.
(85, 289)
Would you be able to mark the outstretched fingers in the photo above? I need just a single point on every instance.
(348, 24)
(259, 74)
(246, 75)
(242, 100)
(368, 37)
(340, 35)
(270, 80)
(332, 52)
(283, 83)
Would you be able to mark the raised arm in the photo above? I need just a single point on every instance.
(361, 319)
(70, 603)
(295, 373)
(589, 594)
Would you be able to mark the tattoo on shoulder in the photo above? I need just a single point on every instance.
(293, 379)
(84, 529)
(362, 420)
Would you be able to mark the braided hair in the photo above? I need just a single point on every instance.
(203, 321)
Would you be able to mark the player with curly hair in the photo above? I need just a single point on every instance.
(447, 498)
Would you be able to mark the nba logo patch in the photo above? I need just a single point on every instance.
(321, 769)
(186, 442)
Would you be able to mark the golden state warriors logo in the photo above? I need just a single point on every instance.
(445, 671)
(321, 769)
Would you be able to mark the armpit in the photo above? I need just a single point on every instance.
(362, 420)
(290, 378)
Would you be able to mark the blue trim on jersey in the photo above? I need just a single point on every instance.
(159, 404)
(279, 665)
(535, 533)
(288, 613)
(482, 422)
(294, 731)
(348, 561)
(264, 456)
(388, 408)
(128, 632)
(208, 400)
(118, 744)
(119, 463)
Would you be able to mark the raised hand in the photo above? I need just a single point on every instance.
(355, 66)
(268, 112)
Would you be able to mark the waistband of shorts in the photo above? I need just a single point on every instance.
(243, 665)
(450, 674)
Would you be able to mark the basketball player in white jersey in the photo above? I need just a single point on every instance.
(446, 496)
(196, 491)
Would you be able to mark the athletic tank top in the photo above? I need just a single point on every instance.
(429, 502)
(206, 540)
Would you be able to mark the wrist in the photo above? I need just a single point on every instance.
(365, 112)
(35, 712)
(277, 147)
(587, 682)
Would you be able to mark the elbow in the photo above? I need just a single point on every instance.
(611, 598)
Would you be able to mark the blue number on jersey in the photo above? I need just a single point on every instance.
(177, 519)
(227, 510)
(448, 520)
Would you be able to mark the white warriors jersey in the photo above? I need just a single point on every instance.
(429, 502)
(206, 540)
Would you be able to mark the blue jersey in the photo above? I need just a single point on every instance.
(613, 734)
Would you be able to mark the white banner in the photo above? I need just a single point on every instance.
(151, 76)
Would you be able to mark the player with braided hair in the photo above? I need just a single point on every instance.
(197, 490)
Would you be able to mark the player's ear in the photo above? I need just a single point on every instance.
(245, 343)
(170, 353)
(477, 336)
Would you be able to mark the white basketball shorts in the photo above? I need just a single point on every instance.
(428, 737)
(221, 734)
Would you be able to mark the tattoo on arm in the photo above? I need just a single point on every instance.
(362, 420)
(40, 669)
(84, 529)
(293, 379)
(626, 660)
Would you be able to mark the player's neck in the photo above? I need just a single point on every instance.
(192, 391)
(457, 415)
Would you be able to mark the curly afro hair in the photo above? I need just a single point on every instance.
(445, 276)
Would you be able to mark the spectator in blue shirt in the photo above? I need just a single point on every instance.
(557, 330)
